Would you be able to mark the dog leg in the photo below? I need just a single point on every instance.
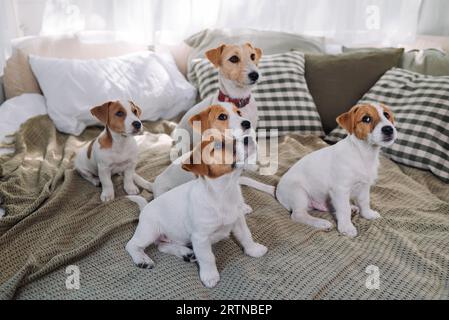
(89, 177)
(363, 201)
(342, 205)
(177, 250)
(141, 182)
(300, 213)
(107, 193)
(145, 235)
(206, 260)
(243, 235)
(128, 181)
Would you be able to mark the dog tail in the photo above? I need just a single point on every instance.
(141, 202)
(245, 181)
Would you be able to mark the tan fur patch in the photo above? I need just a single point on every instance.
(209, 119)
(135, 109)
(213, 163)
(89, 149)
(352, 122)
(246, 55)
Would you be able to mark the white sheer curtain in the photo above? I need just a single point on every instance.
(347, 21)
(350, 22)
(9, 29)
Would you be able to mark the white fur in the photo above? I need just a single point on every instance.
(120, 158)
(329, 178)
(200, 212)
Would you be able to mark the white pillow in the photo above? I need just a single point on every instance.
(72, 87)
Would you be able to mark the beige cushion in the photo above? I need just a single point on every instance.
(18, 77)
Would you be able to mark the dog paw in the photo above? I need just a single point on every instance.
(148, 186)
(190, 257)
(132, 189)
(371, 215)
(347, 230)
(107, 195)
(209, 278)
(144, 262)
(257, 250)
(355, 209)
(323, 224)
(246, 209)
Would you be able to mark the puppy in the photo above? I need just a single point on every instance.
(329, 178)
(225, 119)
(114, 151)
(200, 212)
(238, 74)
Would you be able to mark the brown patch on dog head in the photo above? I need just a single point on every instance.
(360, 120)
(211, 162)
(234, 61)
(135, 109)
(214, 117)
(89, 149)
(112, 115)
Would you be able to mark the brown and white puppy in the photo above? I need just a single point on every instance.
(115, 150)
(328, 179)
(222, 119)
(238, 74)
(198, 213)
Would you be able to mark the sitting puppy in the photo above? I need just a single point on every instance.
(200, 212)
(223, 117)
(329, 178)
(114, 151)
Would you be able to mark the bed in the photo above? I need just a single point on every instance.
(56, 223)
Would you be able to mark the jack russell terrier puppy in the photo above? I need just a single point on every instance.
(114, 151)
(198, 213)
(238, 74)
(328, 179)
(225, 119)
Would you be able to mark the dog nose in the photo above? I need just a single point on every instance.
(137, 124)
(253, 76)
(246, 124)
(387, 130)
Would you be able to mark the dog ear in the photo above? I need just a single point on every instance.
(346, 120)
(102, 112)
(199, 169)
(214, 55)
(201, 117)
(258, 51)
(137, 108)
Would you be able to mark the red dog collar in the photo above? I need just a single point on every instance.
(239, 103)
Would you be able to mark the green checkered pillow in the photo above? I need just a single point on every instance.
(283, 99)
(421, 108)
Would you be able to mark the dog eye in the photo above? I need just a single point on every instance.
(234, 59)
(366, 119)
(223, 117)
(386, 115)
(253, 56)
(119, 114)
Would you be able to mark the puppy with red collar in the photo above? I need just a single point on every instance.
(327, 179)
(114, 151)
(238, 74)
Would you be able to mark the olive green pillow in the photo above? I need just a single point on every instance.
(337, 82)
